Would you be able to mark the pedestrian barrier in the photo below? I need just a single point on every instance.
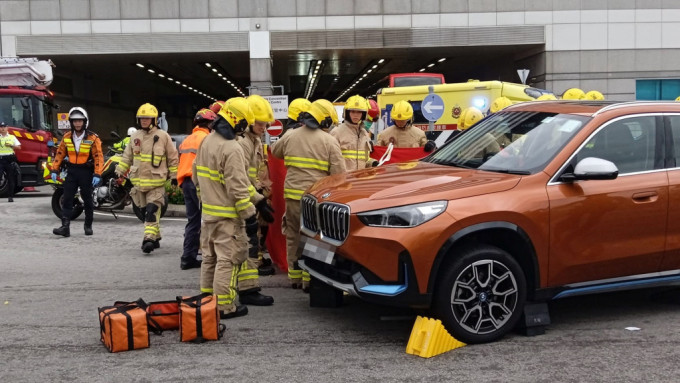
(429, 338)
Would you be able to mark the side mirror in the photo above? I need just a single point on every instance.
(115, 135)
(592, 168)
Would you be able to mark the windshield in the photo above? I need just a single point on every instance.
(511, 142)
(12, 111)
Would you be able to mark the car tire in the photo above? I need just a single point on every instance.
(481, 294)
(141, 213)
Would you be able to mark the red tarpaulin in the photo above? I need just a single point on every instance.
(276, 242)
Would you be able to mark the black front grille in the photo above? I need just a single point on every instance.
(334, 220)
(331, 219)
(308, 213)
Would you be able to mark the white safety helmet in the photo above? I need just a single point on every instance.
(78, 113)
(131, 130)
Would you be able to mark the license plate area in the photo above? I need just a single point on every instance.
(317, 250)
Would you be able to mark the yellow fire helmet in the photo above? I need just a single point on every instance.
(235, 110)
(546, 97)
(298, 106)
(499, 104)
(677, 98)
(573, 94)
(148, 111)
(469, 117)
(594, 95)
(357, 103)
(262, 109)
(401, 110)
(323, 113)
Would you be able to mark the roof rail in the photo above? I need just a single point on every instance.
(628, 103)
(606, 103)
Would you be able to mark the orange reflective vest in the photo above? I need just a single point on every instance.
(187, 152)
(90, 152)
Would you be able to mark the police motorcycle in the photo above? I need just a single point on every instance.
(111, 195)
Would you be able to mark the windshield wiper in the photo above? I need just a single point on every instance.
(452, 163)
(509, 171)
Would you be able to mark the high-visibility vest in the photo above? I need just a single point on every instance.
(90, 151)
(4, 149)
(187, 152)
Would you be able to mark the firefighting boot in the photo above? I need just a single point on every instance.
(88, 226)
(254, 298)
(266, 270)
(148, 246)
(64, 230)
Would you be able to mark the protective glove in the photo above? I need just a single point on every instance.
(173, 182)
(266, 211)
(430, 146)
(54, 177)
(95, 181)
(251, 226)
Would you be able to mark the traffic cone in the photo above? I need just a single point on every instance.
(430, 338)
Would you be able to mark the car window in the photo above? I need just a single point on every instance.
(630, 143)
(513, 142)
(675, 129)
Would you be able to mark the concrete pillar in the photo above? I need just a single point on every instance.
(260, 63)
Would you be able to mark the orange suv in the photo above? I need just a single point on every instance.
(541, 201)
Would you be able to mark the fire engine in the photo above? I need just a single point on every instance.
(26, 107)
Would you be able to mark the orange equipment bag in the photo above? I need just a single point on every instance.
(124, 327)
(165, 314)
(199, 318)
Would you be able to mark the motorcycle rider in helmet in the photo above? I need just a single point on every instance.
(187, 153)
(84, 167)
(152, 159)
(120, 145)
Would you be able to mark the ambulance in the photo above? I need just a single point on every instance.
(456, 97)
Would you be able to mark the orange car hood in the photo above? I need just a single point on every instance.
(407, 183)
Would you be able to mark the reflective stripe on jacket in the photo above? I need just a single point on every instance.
(90, 151)
(219, 172)
(151, 160)
(409, 137)
(355, 145)
(187, 152)
(309, 155)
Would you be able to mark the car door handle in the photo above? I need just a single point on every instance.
(649, 196)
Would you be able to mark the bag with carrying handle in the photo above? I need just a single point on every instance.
(199, 318)
(125, 327)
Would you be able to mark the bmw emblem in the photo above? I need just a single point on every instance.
(326, 195)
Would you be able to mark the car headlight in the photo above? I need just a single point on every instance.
(403, 216)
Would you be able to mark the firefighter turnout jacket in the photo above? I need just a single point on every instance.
(187, 152)
(309, 155)
(88, 154)
(252, 150)
(151, 158)
(355, 145)
(408, 137)
(220, 177)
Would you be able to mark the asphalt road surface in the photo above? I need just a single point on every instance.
(50, 288)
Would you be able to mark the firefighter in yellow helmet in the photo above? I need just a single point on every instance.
(295, 108)
(403, 134)
(229, 221)
(573, 94)
(355, 141)
(251, 145)
(152, 159)
(546, 97)
(468, 117)
(499, 104)
(594, 95)
(309, 154)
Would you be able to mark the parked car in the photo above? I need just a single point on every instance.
(541, 201)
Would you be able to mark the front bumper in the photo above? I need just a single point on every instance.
(321, 261)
